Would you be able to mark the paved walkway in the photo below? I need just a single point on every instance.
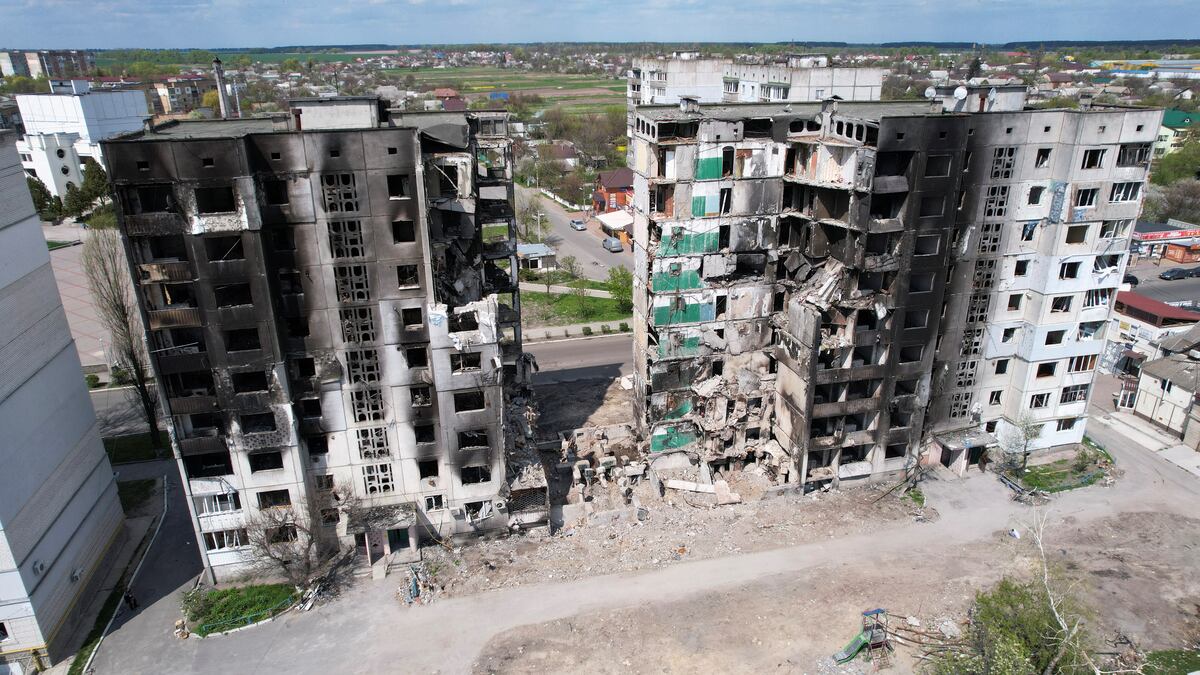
(368, 631)
(573, 331)
(563, 290)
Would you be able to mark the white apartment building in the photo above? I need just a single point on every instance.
(796, 78)
(1049, 200)
(59, 512)
(65, 127)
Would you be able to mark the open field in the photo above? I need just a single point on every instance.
(576, 93)
(104, 61)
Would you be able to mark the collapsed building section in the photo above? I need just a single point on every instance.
(792, 268)
(332, 310)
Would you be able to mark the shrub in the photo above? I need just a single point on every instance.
(587, 330)
(624, 327)
(121, 377)
(92, 379)
(604, 328)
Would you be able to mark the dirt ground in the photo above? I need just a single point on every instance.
(583, 403)
(1138, 568)
(669, 532)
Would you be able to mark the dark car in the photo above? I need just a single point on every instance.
(1131, 280)
(1174, 273)
(1194, 272)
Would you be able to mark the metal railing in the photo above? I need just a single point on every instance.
(248, 619)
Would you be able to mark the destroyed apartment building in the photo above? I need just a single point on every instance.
(840, 291)
(331, 304)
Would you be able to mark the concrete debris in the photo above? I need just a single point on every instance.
(708, 387)
(689, 486)
(724, 494)
(950, 629)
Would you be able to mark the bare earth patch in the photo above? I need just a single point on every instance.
(583, 403)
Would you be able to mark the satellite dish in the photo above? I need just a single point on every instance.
(991, 95)
(960, 93)
(930, 92)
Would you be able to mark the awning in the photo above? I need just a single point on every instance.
(966, 439)
(1132, 355)
(380, 518)
(615, 221)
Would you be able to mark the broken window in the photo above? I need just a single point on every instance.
(1047, 369)
(473, 439)
(1014, 302)
(269, 460)
(1003, 160)
(434, 503)
(937, 166)
(310, 408)
(403, 231)
(1055, 337)
(1110, 229)
(377, 478)
(352, 283)
(1081, 364)
(216, 200)
(447, 176)
(373, 442)
(224, 248)
(242, 340)
(367, 405)
(149, 199)
(1093, 158)
(1097, 297)
(1043, 158)
(465, 361)
(221, 540)
(1021, 268)
(1035, 194)
(416, 357)
(316, 445)
(275, 192)
(1028, 229)
(1077, 234)
(407, 276)
(362, 366)
(346, 239)
(257, 422)
(726, 200)
(1061, 303)
(475, 474)
(1068, 270)
(271, 499)
(339, 192)
(995, 203)
(305, 367)
(1001, 366)
(469, 400)
(1008, 334)
(994, 397)
(233, 295)
(227, 502)
(463, 321)
(1136, 154)
(244, 383)
(1091, 330)
(1086, 197)
(424, 433)
(358, 324)
(427, 468)
(397, 186)
(1039, 401)
(421, 396)
(1125, 192)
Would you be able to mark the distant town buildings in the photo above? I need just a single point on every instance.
(59, 512)
(49, 63)
(64, 127)
(614, 190)
(803, 77)
(1168, 389)
(1172, 134)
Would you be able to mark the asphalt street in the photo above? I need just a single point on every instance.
(1166, 291)
(585, 246)
(586, 358)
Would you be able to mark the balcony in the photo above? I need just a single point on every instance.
(181, 317)
(166, 271)
(187, 405)
(152, 224)
(198, 445)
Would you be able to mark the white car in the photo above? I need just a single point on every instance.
(578, 225)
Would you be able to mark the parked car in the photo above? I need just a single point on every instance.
(578, 225)
(613, 245)
(1131, 280)
(1194, 272)
(1174, 273)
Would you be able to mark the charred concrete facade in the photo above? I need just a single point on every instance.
(334, 307)
(799, 278)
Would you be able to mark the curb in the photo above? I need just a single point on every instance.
(249, 625)
(575, 339)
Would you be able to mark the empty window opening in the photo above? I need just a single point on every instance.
(475, 474)
(305, 367)
(1055, 337)
(1068, 270)
(257, 422)
(244, 383)
(473, 439)
(269, 460)
(465, 361)
(407, 276)
(276, 192)
(937, 166)
(911, 353)
(403, 231)
(1014, 302)
(1077, 234)
(1061, 303)
(224, 248)
(916, 318)
(215, 200)
(233, 295)
(417, 357)
(421, 396)
(427, 468)
(1035, 194)
(242, 340)
(411, 317)
(271, 499)
(1047, 369)
(469, 400)
(425, 433)
(932, 205)
(1021, 268)
(397, 186)
(920, 282)
(927, 244)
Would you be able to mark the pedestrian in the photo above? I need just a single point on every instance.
(130, 600)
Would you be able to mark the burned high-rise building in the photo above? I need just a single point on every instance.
(806, 276)
(331, 304)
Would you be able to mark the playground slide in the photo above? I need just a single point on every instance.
(853, 648)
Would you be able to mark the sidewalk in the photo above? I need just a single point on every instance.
(564, 290)
(573, 331)
(1150, 437)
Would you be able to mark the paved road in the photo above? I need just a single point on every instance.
(118, 411)
(1167, 291)
(585, 246)
(368, 631)
(590, 358)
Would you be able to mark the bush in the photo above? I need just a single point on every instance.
(624, 327)
(587, 330)
(92, 379)
(604, 328)
(219, 610)
(121, 377)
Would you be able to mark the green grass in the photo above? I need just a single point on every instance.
(916, 496)
(562, 310)
(134, 493)
(220, 610)
(1172, 662)
(1058, 476)
(135, 448)
(93, 636)
(54, 244)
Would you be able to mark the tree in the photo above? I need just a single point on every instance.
(211, 99)
(1182, 164)
(103, 217)
(532, 225)
(290, 541)
(108, 278)
(290, 66)
(1020, 434)
(95, 181)
(620, 287)
(1180, 200)
(75, 203)
(49, 207)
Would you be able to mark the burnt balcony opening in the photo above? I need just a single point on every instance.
(866, 319)
(677, 130)
(447, 177)
(149, 199)
(192, 383)
(233, 295)
(275, 192)
(911, 353)
(296, 327)
(170, 296)
(248, 383)
(906, 387)
(828, 393)
(819, 459)
(757, 128)
(283, 239)
(224, 248)
(895, 450)
(865, 355)
(872, 282)
(887, 206)
(318, 446)
(473, 439)
(203, 425)
(827, 240)
(880, 244)
(310, 408)
(855, 453)
(894, 163)
(265, 460)
(749, 266)
(499, 279)
(208, 465)
(662, 200)
(901, 419)
(242, 340)
(290, 284)
(216, 200)
(170, 248)
(426, 433)
(824, 426)
(858, 422)
(178, 341)
(828, 359)
(463, 321)
(255, 423)
(860, 389)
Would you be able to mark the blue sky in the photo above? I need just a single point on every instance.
(265, 23)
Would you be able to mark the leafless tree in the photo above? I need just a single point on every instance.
(292, 541)
(108, 277)
(532, 224)
(1022, 432)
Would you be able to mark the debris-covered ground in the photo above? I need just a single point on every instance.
(1135, 568)
(583, 403)
(663, 534)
